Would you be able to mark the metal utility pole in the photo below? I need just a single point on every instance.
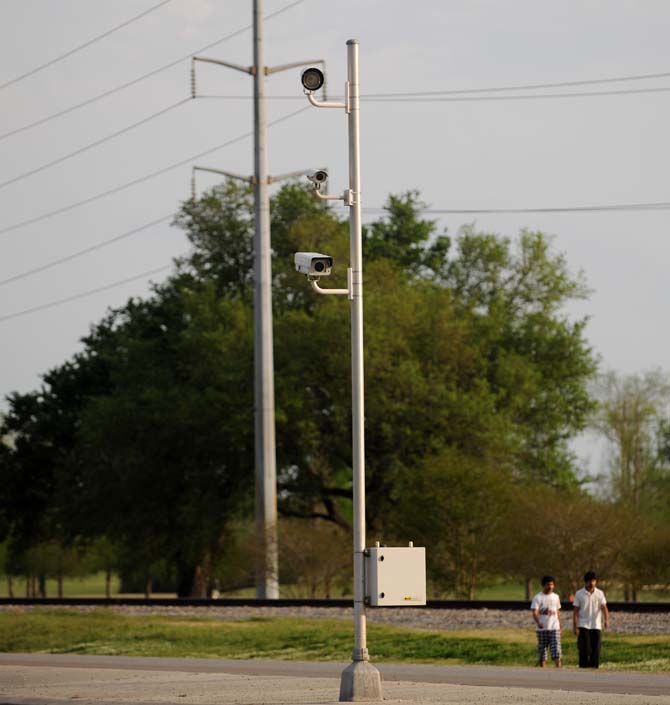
(267, 572)
(267, 567)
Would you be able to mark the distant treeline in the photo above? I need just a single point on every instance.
(136, 455)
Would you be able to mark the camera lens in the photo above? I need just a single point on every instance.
(319, 266)
(312, 79)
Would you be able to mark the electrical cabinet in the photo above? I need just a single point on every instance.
(395, 576)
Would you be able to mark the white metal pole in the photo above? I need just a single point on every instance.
(267, 585)
(357, 387)
(360, 680)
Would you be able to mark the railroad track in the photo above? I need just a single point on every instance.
(252, 602)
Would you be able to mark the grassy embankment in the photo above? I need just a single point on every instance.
(106, 633)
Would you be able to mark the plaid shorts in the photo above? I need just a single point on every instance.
(548, 639)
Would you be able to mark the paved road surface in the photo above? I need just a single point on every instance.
(41, 679)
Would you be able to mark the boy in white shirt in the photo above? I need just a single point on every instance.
(546, 606)
(590, 612)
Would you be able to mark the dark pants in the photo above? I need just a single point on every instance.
(589, 643)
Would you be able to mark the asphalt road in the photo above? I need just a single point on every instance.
(38, 679)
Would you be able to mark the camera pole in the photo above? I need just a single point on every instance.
(360, 680)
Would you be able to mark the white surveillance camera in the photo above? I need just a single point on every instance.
(317, 176)
(313, 264)
(312, 79)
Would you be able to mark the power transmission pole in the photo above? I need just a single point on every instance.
(267, 583)
(267, 566)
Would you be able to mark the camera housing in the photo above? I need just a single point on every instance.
(317, 176)
(313, 264)
(312, 79)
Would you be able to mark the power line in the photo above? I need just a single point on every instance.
(83, 294)
(90, 292)
(657, 206)
(491, 89)
(121, 87)
(87, 250)
(82, 46)
(96, 143)
(417, 98)
(152, 175)
(530, 96)
(528, 86)
(427, 211)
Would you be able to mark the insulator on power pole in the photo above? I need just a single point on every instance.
(193, 86)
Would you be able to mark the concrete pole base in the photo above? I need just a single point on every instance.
(360, 682)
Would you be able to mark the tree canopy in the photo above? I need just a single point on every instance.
(476, 380)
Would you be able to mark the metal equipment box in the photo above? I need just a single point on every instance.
(395, 576)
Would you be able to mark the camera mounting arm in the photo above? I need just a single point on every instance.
(324, 103)
(312, 79)
(324, 197)
(314, 281)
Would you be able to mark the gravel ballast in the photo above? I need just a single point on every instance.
(413, 617)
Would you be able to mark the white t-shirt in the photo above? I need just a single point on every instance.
(548, 606)
(589, 604)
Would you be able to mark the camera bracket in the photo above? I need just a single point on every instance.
(349, 291)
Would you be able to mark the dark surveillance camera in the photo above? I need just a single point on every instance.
(317, 176)
(312, 79)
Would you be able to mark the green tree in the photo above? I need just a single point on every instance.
(174, 430)
(220, 227)
(535, 360)
(468, 371)
(39, 468)
(632, 417)
(104, 555)
(564, 533)
(146, 437)
(404, 239)
(314, 558)
(454, 504)
(659, 506)
(646, 559)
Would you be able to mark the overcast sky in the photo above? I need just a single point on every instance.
(464, 154)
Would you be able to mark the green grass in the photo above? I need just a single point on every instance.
(94, 586)
(106, 633)
(502, 591)
(517, 591)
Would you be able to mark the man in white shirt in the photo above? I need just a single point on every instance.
(589, 615)
(546, 606)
